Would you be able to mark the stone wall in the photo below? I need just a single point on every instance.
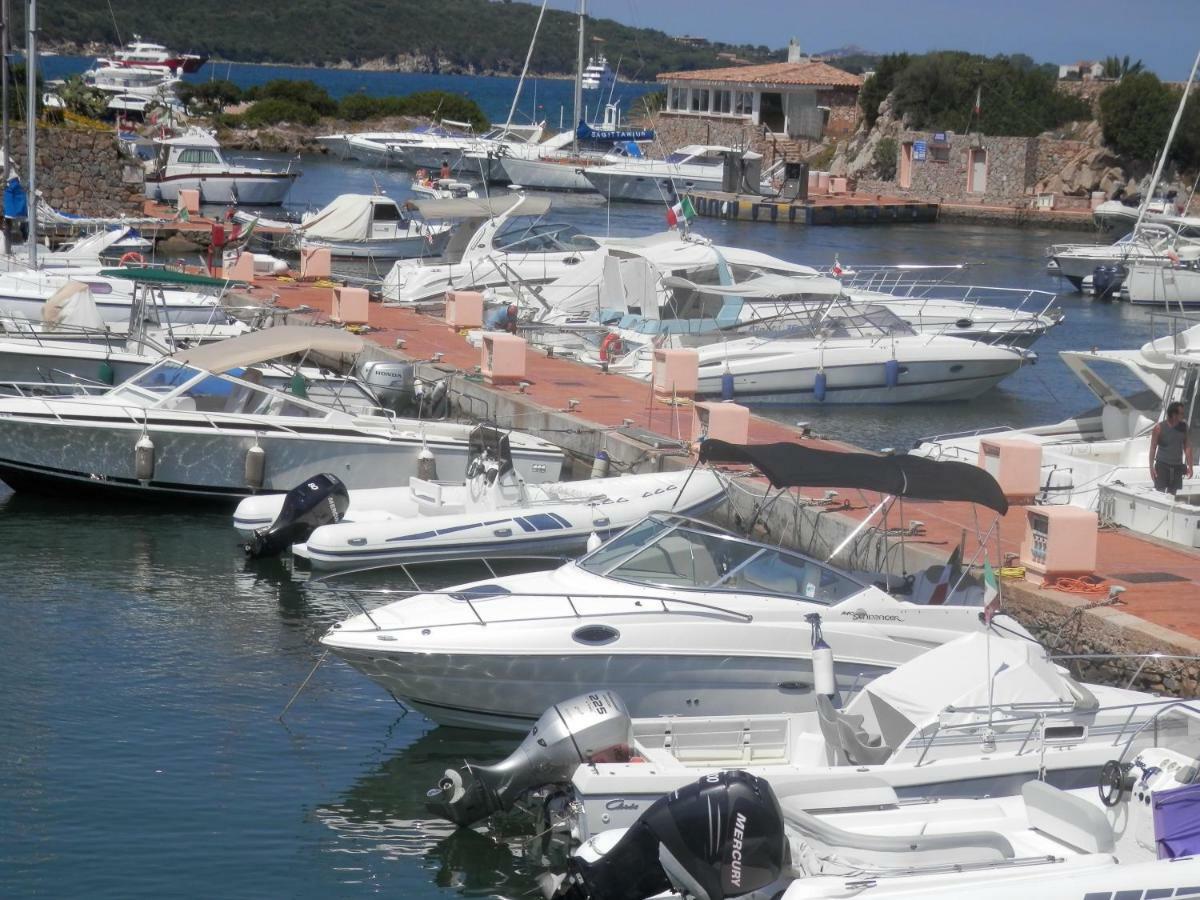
(81, 171)
(844, 111)
(675, 131)
(1008, 167)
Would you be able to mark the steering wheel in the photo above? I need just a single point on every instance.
(1112, 784)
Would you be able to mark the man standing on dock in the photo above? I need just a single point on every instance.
(1170, 451)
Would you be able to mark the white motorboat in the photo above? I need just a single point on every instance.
(1112, 214)
(676, 615)
(978, 716)
(197, 424)
(1154, 244)
(1167, 287)
(495, 513)
(143, 81)
(696, 167)
(143, 54)
(425, 185)
(194, 161)
(430, 145)
(734, 834)
(362, 226)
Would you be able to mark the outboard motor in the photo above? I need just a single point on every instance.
(722, 836)
(593, 728)
(321, 500)
(392, 382)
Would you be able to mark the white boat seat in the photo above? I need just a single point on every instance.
(825, 848)
(846, 734)
(1067, 818)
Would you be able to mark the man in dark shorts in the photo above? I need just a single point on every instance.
(1170, 451)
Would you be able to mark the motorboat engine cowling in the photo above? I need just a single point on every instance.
(594, 727)
(722, 836)
(320, 500)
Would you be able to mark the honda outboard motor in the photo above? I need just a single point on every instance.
(592, 728)
(321, 500)
(720, 837)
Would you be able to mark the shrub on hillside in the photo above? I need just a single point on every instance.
(274, 110)
(302, 93)
(876, 88)
(884, 160)
(1135, 116)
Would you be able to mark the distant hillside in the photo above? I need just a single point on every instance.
(414, 35)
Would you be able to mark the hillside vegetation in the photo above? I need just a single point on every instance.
(447, 35)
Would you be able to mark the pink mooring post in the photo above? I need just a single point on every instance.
(189, 199)
(242, 268)
(1059, 542)
(676, 373)
(1015, 463)
(722, 421)
(315, 262)
(464, 309)
(502, 358)
(351, 305)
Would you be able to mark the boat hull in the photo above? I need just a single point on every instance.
(1163, 286)
(388, 248)
(541, 175)
(251, 190)
(648, 188)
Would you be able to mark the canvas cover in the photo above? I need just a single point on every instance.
(1177, 822)
(346, 218)
(72, 305)
(268, 344)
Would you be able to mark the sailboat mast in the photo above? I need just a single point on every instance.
(4, 45)
(31, 130)
(579, 79)
(525, 68)
(1162, 158)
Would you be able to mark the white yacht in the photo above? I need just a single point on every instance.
(696, 167)
(194, 161)
(150, 83)
(676, 615)
(1152, 244)
(1131, 835)
(143, 54)
(199, 424)
(1170, 288)
(429, 146)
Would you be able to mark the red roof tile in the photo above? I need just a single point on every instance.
(817, 74)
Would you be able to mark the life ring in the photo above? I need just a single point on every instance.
(133, 257)
(611, 347)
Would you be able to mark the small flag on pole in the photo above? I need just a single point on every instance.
(950, 572)
(991, 593)
(681, 211)
(978, 98)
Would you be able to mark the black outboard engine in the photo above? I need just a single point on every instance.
(720, 837)
(321, 500)
(593, 728)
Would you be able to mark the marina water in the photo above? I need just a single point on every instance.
(144, 662)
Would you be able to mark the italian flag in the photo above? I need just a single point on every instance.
(991, 592)
(682, 210)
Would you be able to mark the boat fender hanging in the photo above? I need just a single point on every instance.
(299, 387)
(426, 465)
(594, 542)
(143, 458)
(727, 384)
(822, 659)
(891, 372)
(256, 466)
(819, 386)
(106, 373)
(600, 465)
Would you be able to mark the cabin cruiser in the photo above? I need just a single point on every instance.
(428, 146)
(194, 161)
(1167, 287)
(736, 834)
(1083, 454)
(1156, 244)
(359, 226)
(494, 513)
(149, 83)
(696, 167)
(425, 185)
(675, 614)
(142, 54)
(977, 716)
(200, 424)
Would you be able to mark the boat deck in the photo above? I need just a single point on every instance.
(1162, 580)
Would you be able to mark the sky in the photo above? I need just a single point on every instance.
(1164, 34)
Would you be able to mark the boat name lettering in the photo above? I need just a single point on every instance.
(619, 803)
(735, 856)
(861, 615)
(661, 490)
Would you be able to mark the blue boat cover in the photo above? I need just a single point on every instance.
(586, 132)
(1177, 822)
(15, 205)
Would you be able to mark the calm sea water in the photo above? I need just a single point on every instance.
(143, 662)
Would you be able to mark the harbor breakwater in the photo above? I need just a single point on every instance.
(81, 170)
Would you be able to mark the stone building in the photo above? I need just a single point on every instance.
(797, 99)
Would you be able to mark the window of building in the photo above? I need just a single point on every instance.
(722, 102)
(699, 100)
(679, 99)
(939, 153)
(743, 104)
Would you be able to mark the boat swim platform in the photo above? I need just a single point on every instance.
(824, 209)
(585, 410)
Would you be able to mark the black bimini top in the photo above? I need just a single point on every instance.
(794, 465)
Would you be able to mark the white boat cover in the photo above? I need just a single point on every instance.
(483, 207)
(959, 673)
(268, 344)
(764, 286)
(72, 305)
(346, 218)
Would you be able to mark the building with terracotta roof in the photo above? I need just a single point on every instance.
(800, 98)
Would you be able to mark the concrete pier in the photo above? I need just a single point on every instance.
(835, 209)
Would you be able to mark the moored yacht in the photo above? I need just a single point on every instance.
(696, 167)
(143, 54)
(194, 161)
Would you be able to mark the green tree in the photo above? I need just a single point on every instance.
(876, 88)
(884, 159)
(1119, 68)
(1135, 116)
(82, 98)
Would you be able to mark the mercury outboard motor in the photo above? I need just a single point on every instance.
(722, 836)
(593, 728)
(321, 500)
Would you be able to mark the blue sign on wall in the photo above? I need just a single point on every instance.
(919, 150)
(939, 137)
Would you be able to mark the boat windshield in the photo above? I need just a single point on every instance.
(1175, 727)
(542, 237)
(682, 553)
(835, 320)
(173, 385)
